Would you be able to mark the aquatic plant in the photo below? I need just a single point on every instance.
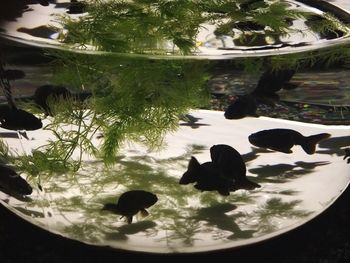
(141, 98)
(163, 27)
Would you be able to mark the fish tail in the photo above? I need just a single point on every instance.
(144, 212)
(191, 175)
(309, 143)
(129, 219)
(246, 185)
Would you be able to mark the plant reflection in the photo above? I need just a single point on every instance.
(275, 209)
(216, 216)
(122, 232)
(334, 145)
(183, 216)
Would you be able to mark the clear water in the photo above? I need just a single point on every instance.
(136, 93)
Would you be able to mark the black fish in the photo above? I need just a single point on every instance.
(132, 202)
(43, 94)
(76, 7)
(44, 2)
(283, 140)
(206, 176)
(12, 182)
(17, 119)
(243, 106)
(231, 166)
(272, 81)
(12, 74)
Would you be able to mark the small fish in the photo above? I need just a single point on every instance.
(132, 202)
(44, 2)
(283, 140)
(243, 106)
(231, 166)
(272, 81)
(12, 182)
(17, 119)
(43, 94)
(347, 155)
(206, 176)
(12, 74)
(76, 7)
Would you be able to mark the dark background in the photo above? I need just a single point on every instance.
(326, 238)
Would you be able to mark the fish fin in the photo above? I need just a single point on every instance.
(129, 219)
(144, 212)
(309, 143)
(191, 175)
(284, 150)
(224, 192)
(254, 114)
(246, 185)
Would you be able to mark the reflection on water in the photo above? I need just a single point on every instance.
(183, 218)
(128, 122)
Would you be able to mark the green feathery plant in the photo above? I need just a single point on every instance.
(141, 99)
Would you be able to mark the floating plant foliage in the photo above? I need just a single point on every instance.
(163, 27)
(133, 99)
(141, 99)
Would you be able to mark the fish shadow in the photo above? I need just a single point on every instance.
(191, 121)
(216, 216)
(122, 232)
(334, 145)
(248, 157)
(281, 173)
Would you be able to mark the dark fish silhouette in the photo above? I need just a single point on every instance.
(231, 166)
(17, 119)
(44, 93)
(10, 181)
(272, 81)
(243, 106)
(132, 202)
(283, 140)
(347, 155)
(44, 2)
(207, 177)
(12, 74)
(76, 7)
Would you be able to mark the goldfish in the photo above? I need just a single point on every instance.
(12, 182)
(283, 140)
(272, 81)
(12, 118)
(207, 178)
(42, 94)
(243, 106)
(12, 74)
(76, 7)
(132, 202)
(231, 166)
